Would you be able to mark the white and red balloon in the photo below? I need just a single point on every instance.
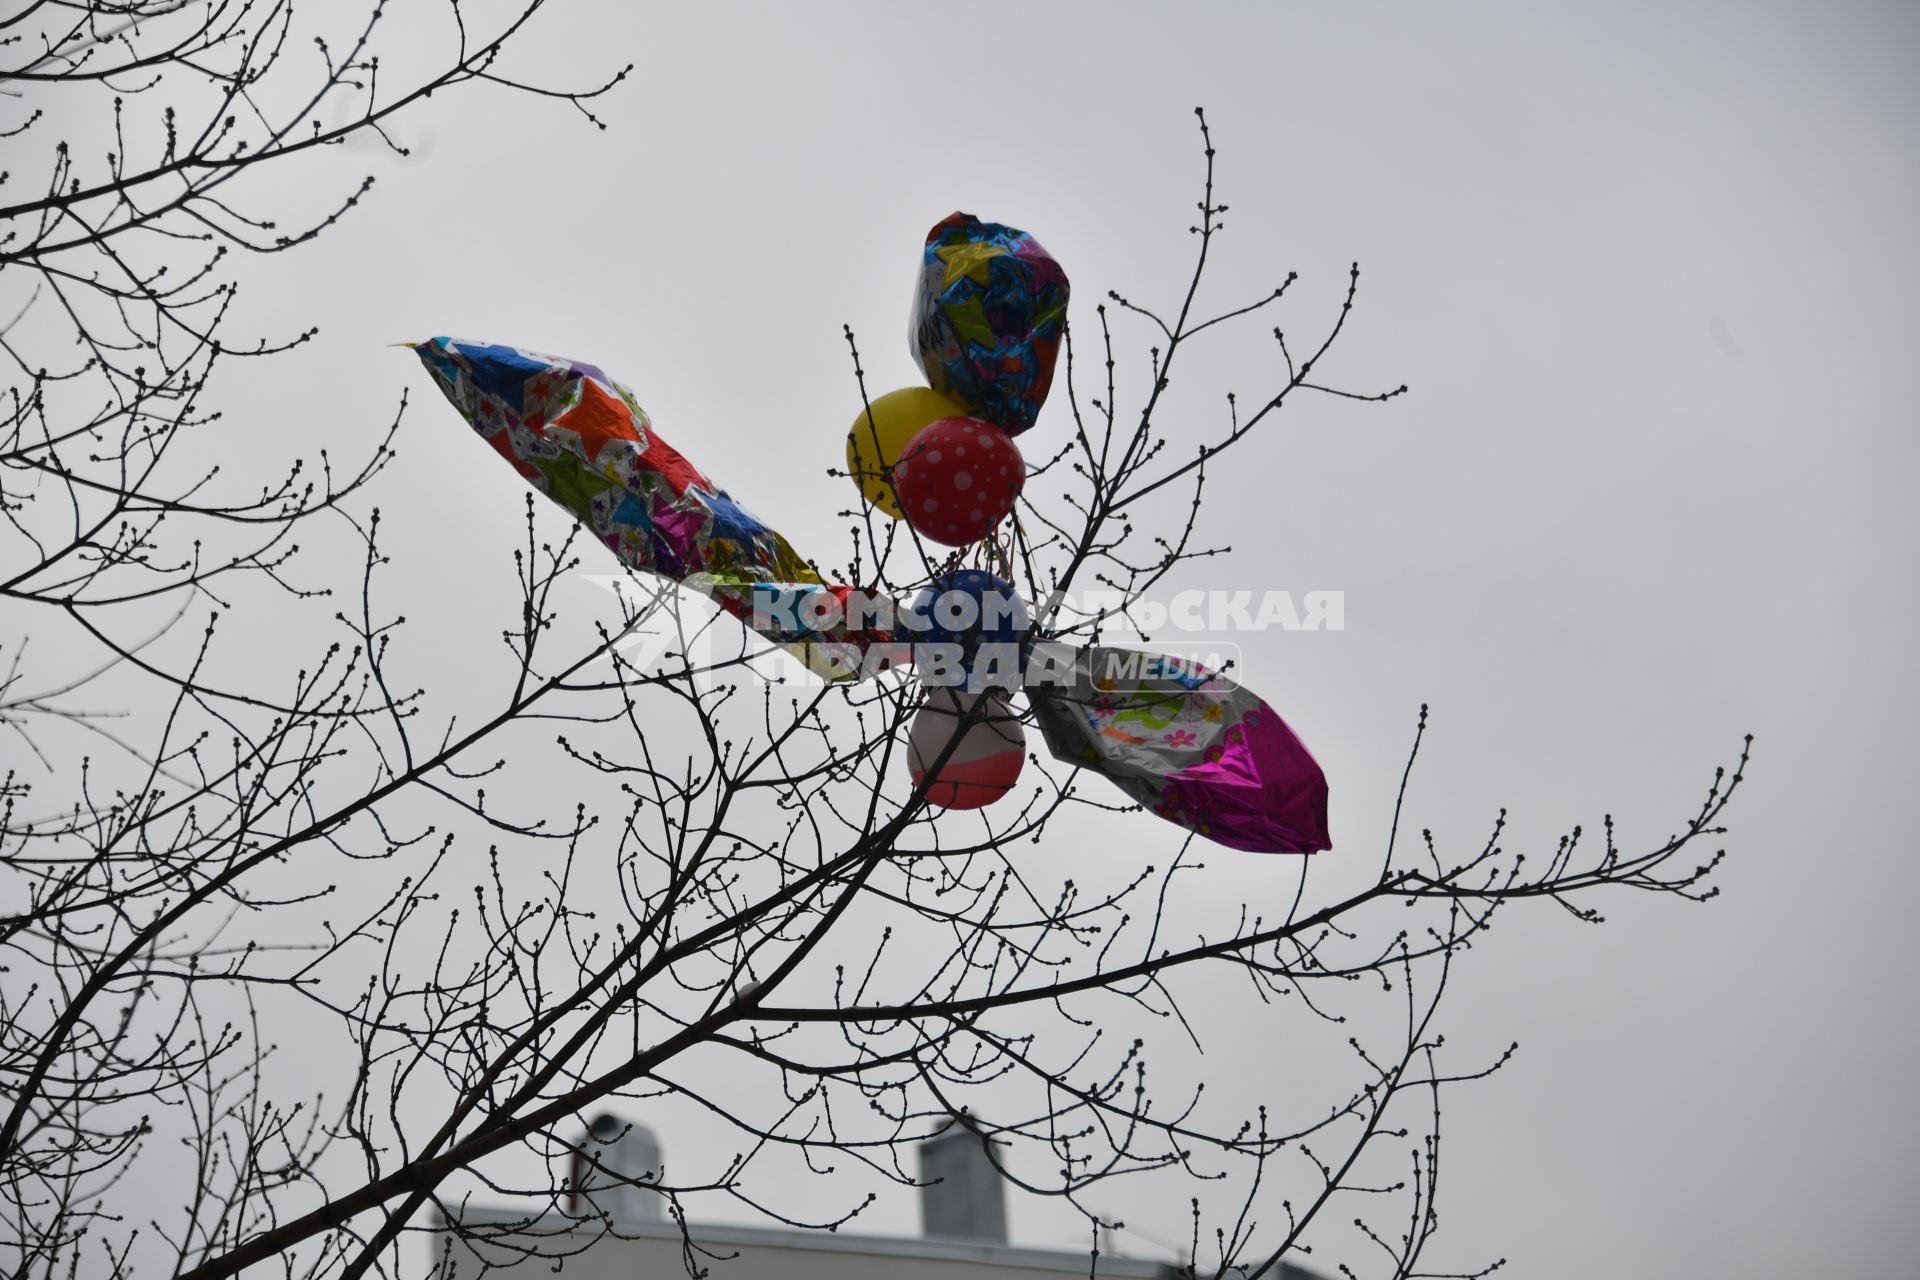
(985, 760)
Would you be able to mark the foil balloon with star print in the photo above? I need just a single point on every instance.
(987, 319)
(582, 439)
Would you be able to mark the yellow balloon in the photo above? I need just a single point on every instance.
(873, 446)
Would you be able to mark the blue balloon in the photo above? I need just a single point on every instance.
(969, 627)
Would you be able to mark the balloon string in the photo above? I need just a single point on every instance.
(994, 553)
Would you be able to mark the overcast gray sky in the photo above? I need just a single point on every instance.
(1651, 274)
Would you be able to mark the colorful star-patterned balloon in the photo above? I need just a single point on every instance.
(987, 319)
(581, 438)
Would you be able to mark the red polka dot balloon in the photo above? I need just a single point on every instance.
(957, 479)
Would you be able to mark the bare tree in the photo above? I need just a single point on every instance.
(721, 894)
(117, 282)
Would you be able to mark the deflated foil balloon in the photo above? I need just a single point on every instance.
(1185, 742)
(987, 318)
(581, 438)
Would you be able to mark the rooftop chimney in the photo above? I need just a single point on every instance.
(964, 1196)
(614, 1155)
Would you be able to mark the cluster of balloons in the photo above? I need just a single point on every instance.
(1184, 742)
(988, 314)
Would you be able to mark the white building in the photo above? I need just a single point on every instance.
(616, 1230)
